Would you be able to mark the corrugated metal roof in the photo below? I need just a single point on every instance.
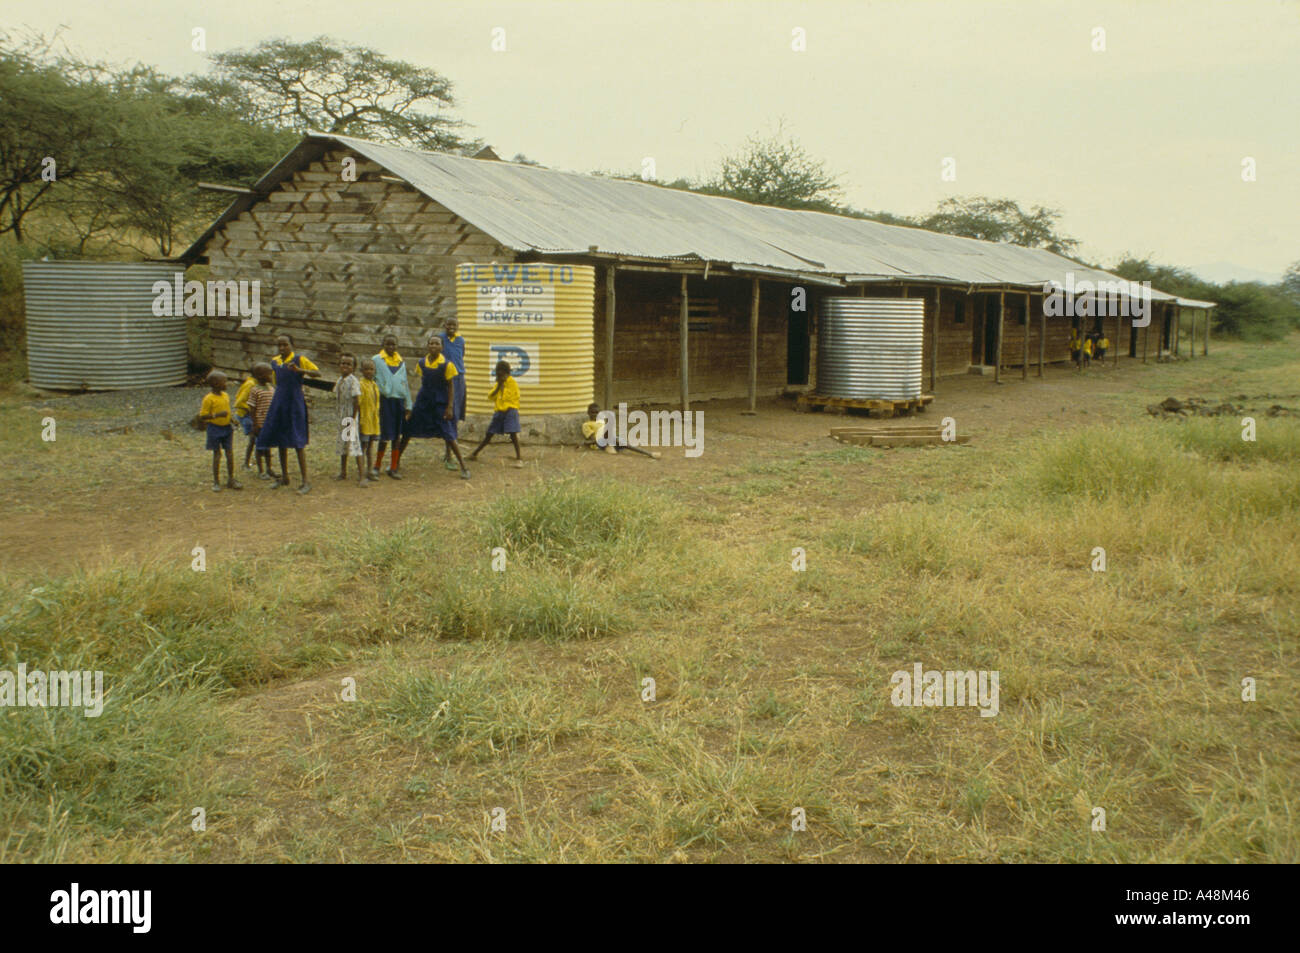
(534, 209)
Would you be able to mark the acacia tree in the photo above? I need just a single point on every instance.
(336, 87)
(176, 139)
(54, 129)
(777, 171)
(1000, 220)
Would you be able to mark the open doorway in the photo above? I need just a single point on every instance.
(990, 330)
(798, 346)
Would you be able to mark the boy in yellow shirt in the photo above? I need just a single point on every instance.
(369, 423)
(505, 417)
(215, 412)
(244, 417)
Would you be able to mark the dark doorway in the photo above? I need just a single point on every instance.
(990, 330)
(1132, 339)
(1166, 327)
(798, 347)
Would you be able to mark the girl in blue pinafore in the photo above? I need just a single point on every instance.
(453, 348)
(286, 419)
(433, 413)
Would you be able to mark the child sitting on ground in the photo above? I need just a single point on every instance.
(505, 417)
(593, 432)
(215, 412)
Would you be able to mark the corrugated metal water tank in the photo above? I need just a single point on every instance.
(538, 317)
(870, 348)
(90, 325)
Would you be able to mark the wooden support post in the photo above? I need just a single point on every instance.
(753, 349)
(1178, 329)
(685, 330)
(934, 338)
(1191, 351)
(1002, 308)
(1114, 344)
(984, 325)
(1024, 356)
(1146, 332)
(609, 337)
(1042, 337)
(1208, 315)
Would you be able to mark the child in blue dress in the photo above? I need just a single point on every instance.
(433, 412)
(453, 348)
(286, 421)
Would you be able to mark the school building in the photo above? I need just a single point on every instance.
(692, 297)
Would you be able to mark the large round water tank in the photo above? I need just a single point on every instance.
(870, 348)
(91, 326)
(538, 317)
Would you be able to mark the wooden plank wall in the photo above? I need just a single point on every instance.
(954, 337)
(341, 264)
(647, 337)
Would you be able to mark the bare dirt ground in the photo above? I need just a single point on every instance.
(62, 525)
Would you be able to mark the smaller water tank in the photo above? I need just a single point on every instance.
(91, 326)
(870, 348)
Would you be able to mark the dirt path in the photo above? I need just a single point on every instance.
(78, 527)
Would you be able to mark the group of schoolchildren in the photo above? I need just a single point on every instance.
(376, 412)
(1084, 348)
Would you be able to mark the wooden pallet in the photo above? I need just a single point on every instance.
(878, 407)
(894, 436)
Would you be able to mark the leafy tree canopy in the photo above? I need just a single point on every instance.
(329, 86)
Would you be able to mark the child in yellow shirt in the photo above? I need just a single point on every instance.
(244, 417)
(505, 417)
(369, 423)
(215, 412)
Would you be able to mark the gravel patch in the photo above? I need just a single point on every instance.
(148, 410)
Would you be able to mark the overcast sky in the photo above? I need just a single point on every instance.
(1141, 145)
